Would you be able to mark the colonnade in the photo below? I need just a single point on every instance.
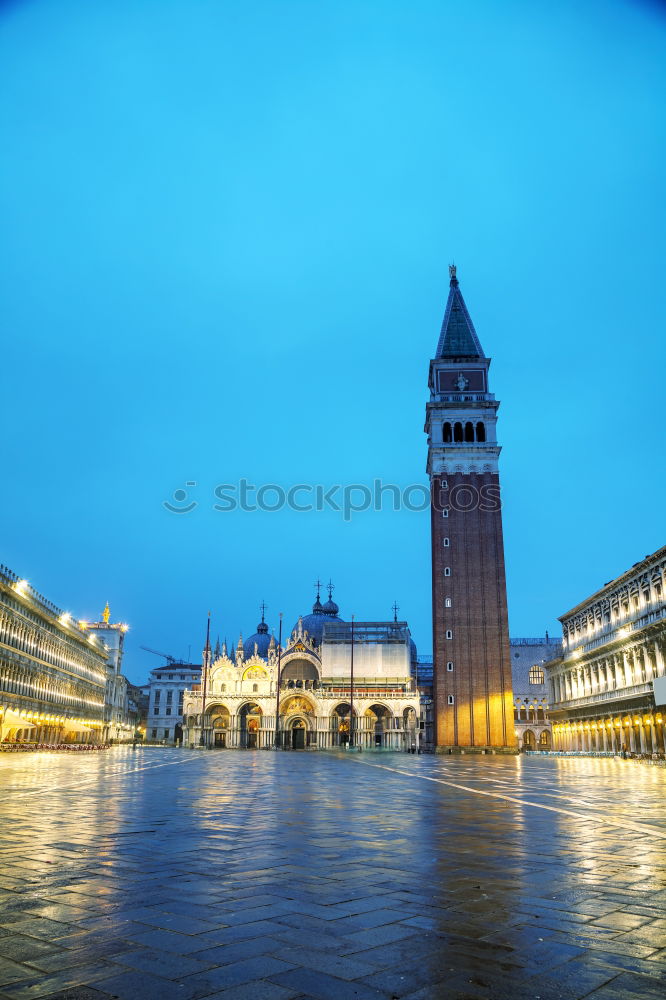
(636, 732)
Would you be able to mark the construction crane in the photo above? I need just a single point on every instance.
(170, 659)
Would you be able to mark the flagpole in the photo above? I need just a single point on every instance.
(277, 688)
(351, 689)
(206, 658)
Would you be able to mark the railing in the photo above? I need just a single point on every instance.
(479, 397)
(10, 578)
(617, 694)
(546, 641)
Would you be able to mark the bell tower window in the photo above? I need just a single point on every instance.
(458, 432)
(447, 433)
(469, 431)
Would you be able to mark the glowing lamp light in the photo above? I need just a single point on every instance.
(21, 586)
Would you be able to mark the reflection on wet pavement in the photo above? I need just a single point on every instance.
(169, 873)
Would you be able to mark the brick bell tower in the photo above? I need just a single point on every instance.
(472, 666)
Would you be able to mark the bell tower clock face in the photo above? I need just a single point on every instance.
(461, 380)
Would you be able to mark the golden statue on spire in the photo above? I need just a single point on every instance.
(106, 614)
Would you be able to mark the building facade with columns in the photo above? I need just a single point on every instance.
(52, 672)
(606, 689)
(319, 700)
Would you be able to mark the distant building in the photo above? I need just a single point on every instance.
(138, 699)
(119, 715)
(422, 672)
(532, 726)
(607, 688)
(52, 673)
(316, 704)
(530, 692)
(165, 693)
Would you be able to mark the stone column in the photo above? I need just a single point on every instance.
(604, 735)
(647, 659)
(641, 736)
(660, 737)
(653, 736)
(632, 737)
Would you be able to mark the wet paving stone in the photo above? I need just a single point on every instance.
(163, 873)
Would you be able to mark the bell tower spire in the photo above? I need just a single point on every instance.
(472, 667)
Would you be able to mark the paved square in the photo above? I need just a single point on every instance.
(164, 873)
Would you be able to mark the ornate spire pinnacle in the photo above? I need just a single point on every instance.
(106, 614)
(331, 588)
(262, 608)
(457, 338)
(395, 609)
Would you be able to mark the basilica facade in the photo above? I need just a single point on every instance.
(333, 684)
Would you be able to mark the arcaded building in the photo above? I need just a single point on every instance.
(52, 672)
(320, 697)
(607, 689)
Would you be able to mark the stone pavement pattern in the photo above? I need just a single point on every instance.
(156, 874)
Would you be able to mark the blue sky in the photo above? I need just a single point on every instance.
(225, 238)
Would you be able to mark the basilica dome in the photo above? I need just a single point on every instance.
(261, 639)
(321, 614)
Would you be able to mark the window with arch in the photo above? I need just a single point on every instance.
(446, 543)
(223, 687)
(469, 431)
(458, 432)
(447, 433)
(449, 634)
(445, 512)
(536, 675)
(255, 687)
(450, 700)
(449, 666)
(447, 571)
(480, 431)
(447, 602)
